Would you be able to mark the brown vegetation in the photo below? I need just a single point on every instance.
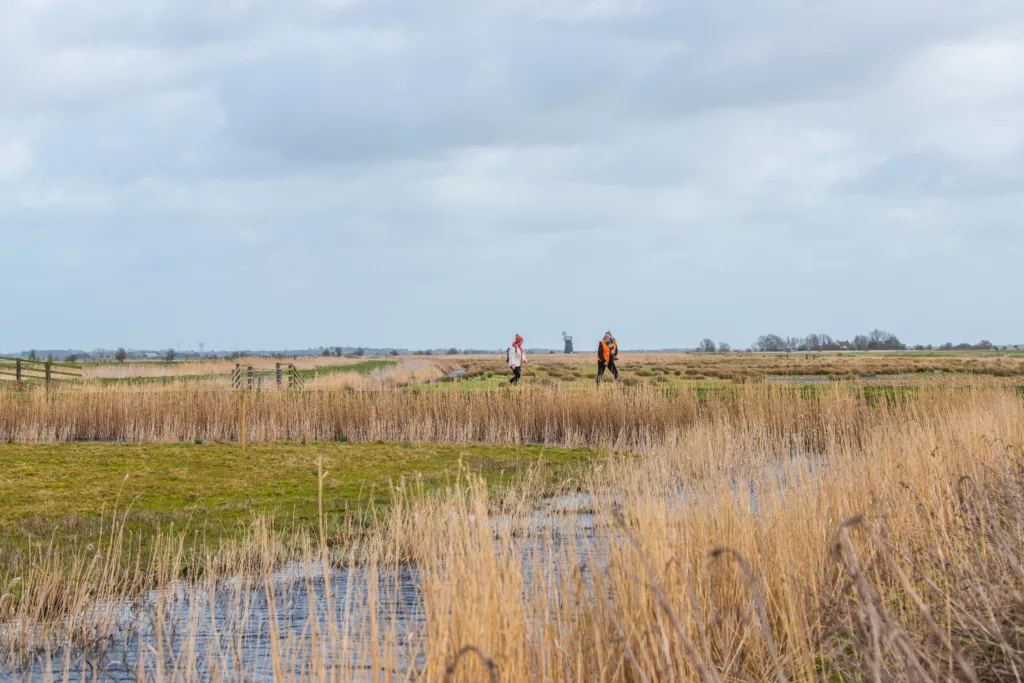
(743, 367)
(206, 366)
(763, 534)
(633, 418)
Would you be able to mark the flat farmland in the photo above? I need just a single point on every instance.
(675, 368)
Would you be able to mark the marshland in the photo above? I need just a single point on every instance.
(403, 526)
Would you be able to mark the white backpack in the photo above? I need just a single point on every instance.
(514, 357)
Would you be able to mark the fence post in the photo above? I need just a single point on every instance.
(241, 419)
(279, 376)
(17, 372)
(48, 377)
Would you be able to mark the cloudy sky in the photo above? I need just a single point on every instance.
(258, 173)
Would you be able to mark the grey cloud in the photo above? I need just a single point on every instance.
(938, 174)
(429, 95)
(737, 166)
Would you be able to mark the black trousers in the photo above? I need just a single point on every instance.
(516, 374)
(601, 365)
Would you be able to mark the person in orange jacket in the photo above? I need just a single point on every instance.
(607, 353)
(516, 358)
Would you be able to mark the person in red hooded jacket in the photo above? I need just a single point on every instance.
(516, 358)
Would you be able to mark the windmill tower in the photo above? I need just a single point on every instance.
(568, 342)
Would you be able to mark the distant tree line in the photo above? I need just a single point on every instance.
(339, 352)
(983, 345)
(876, 340)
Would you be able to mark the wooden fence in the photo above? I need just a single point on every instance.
(253, 379)
(22, 371)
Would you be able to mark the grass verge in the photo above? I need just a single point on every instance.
(64, 490)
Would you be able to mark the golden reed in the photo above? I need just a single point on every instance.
(630, 418)
(763, 535)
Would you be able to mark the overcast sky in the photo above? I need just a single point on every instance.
(267, 174)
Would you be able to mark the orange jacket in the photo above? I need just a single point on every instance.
(607, 351)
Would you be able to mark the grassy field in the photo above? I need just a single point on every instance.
(175, 373)
(653, 367)
(712, 369)
(482, 372)
(218, 488)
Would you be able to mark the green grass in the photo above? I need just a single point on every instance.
(363, 368)
(65, 488)
(162, 380)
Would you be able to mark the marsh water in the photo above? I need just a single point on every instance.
(226, 631)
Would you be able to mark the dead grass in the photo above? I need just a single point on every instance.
(727, 367)
(208, 366)
(761, 536)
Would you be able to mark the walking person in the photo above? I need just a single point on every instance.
(607, 353)
(516, 358)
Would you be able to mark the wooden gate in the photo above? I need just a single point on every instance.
(22, 371)
(253, 379)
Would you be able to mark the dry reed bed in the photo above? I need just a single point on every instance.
(631, 418)
(888, 547)
(207, 366)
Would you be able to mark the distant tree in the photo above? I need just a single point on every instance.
(72, 357)
(393, 352)
(49, 357)
(326, 352)
(984, 345)
(861, 343)
(724, 347)
(948, 346)
(428, 352)
(813, 342)
(771, 343)
(882, 340)
(171, 355)
(120, 354)
(707, 346)
(452, 351)
(32, 355)
(360, 352)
